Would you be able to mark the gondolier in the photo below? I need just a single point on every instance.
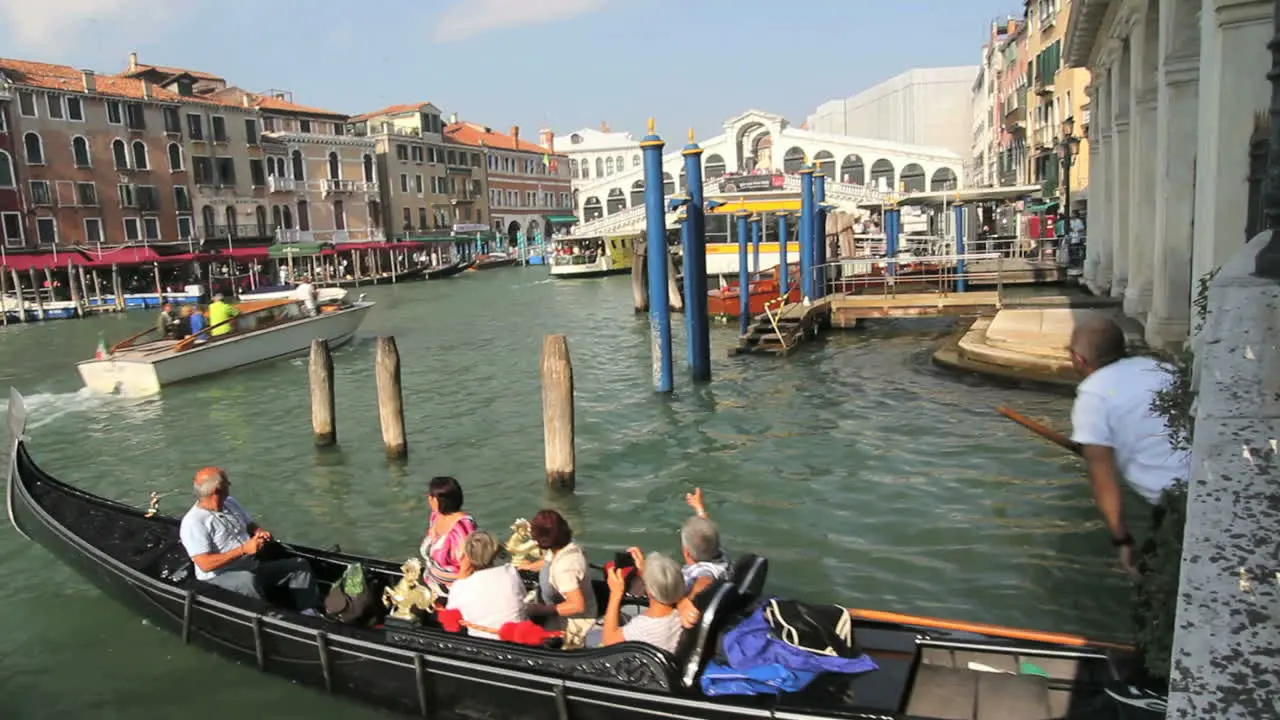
(1117, 428)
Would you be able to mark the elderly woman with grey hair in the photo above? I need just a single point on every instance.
(487, 594)
(704, 560)
(659, 625)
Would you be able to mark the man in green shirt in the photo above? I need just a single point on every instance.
(220, 312)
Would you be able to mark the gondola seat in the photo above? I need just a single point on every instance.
(721, 605)
(749, 573)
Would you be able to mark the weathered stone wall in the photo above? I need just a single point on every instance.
(1226, 656)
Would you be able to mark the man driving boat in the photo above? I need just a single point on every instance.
(223, 540)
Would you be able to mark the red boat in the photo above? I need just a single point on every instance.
(724, 302)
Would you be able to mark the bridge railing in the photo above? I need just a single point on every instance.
(890, 277)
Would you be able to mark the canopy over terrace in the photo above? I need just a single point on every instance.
(52, 260)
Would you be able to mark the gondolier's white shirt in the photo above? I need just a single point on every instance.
(205, 531)
(1113, 409)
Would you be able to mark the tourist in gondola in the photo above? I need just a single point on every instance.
(704, 560)
(223, 542)
(448, 529)
(659, 625)
(565, 595)
(487, 594)
(1114, 422)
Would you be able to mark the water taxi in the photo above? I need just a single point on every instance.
(590, 256)
(264, 330)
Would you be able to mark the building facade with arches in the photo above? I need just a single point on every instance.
(12, 226)
(756, 141)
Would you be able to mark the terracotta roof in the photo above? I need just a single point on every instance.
(171, 71)
(393, 110)
(472, 134)
(233, 95)
(68, 79)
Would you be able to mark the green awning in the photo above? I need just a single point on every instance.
(562, 218)
(1041, 206)
(305, 249)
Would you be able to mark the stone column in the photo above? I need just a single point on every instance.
(1101, 237)
(1233, 88)
(1177, 115)
(1143, 65)
(1119, 191)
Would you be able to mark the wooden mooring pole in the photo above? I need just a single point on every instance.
(390, 400)
(4, 303)
(557, 412)
(320, 374)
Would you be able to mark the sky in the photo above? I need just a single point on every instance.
(561, 64)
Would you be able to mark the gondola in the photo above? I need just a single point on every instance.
(923, 672)
(413, 273)
(444, 271)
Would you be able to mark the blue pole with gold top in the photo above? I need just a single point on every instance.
(783, 280)
(961, 283)
(656, 231)
(892, 226)
(806, 232)
(819, 234)
(697, 322)
(744, 279)
(755, 244)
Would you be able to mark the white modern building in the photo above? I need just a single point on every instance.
(596, 154)
(862, 170)
(924, 106)
(1177, 85)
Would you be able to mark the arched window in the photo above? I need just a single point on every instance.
(335, 168)
(279, 167)
(275, 216)
(304, 218)
(375, 214)
(121, 155)
(608, 166)
(175, 157)
(599, 167)
(260, 214)
(140, 156)
(635, 160)
(287, 212)
(230, 215)
(573, 168)
(618, 161)
(586, 169)
(6, 170)
(80, 152)
(207, 219)
(35, 148)
(368, 168)
(298, 173)
(339, 216)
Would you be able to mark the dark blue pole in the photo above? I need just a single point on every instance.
(744, 280)
(685, 228)
(961, 284)
(755, 245)
(656, 229)
(819, 234)
(695, 267)
(806, 232)
(783, 280)
(892, 217)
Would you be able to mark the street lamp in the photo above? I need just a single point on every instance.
(1067, 148)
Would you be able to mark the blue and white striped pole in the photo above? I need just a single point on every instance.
(656, 232)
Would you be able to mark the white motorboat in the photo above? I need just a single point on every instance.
(323, 295)
(274, 332)
(585, 257)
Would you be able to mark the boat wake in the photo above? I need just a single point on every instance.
(44, 408)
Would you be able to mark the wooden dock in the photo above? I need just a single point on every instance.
(786, 329)
(847, 310)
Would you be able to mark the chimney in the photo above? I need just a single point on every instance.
(453, 118)
(133, 61)
(90, 81)
(515, 133)
(604, 126)
(244, 100)
(547, 139)
(146, 90)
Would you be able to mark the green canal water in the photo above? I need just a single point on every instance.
(866, 475)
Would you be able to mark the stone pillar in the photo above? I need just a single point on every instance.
(1101, 203)
(1143, 66)
(1233, 88)
(1119, 191)
(1177, 114)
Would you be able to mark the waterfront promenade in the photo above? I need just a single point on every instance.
(868, 476)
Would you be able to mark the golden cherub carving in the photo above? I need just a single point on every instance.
(521, 545)
(409, 594)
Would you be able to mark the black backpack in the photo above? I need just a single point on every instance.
(821, 629)
(355, 599)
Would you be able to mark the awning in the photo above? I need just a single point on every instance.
(562, 218)
(22, 262)
(1041, 206)
(293, 249)
(258, 252)
(131, 255)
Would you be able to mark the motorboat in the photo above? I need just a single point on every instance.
(723, 302)
(494, 260)
(266, 330)
(926, 668)
(286, 292)
(586, 257)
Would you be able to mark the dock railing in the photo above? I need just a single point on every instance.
(890, 277)
(773, 310)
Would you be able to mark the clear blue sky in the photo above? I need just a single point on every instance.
(533, 63)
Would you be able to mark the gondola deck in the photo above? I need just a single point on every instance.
(923, 673)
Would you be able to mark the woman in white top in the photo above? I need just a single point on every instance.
(487, 595)
(565, 595)
(659, 625)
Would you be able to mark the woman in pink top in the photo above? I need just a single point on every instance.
(442, 546)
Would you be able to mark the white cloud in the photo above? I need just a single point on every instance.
(48, 25)
(469, 18)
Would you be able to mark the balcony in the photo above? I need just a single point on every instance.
(462, 198)
(220, 232)
(277, 184)
(1044, 86)
(331, 186)
(294, 236)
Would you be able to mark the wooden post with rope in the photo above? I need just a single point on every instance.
(320, 376)
(74, 287)
(390, 399)
(557, 412)
(117, 287)
(4, 303)
(35, 288)
(17, 291)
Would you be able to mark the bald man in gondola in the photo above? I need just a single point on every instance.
(1114, 422)
(223, 542)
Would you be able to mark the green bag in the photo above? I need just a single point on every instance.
(353, 580)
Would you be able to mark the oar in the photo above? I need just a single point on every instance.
(1040, 429)
(985, 629)
(129, 340)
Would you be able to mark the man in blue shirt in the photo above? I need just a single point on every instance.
(198, 322)
(223, 540)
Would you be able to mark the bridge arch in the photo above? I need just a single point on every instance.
(714, 166)
(616, 202)
(883, 169)
(944, 178)
(793, 160)
(852, 170)
(592, 209)
(825, 163)
(912, 178)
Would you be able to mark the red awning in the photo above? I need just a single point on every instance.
(23, 262)
(132, 255)
(239, 253)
